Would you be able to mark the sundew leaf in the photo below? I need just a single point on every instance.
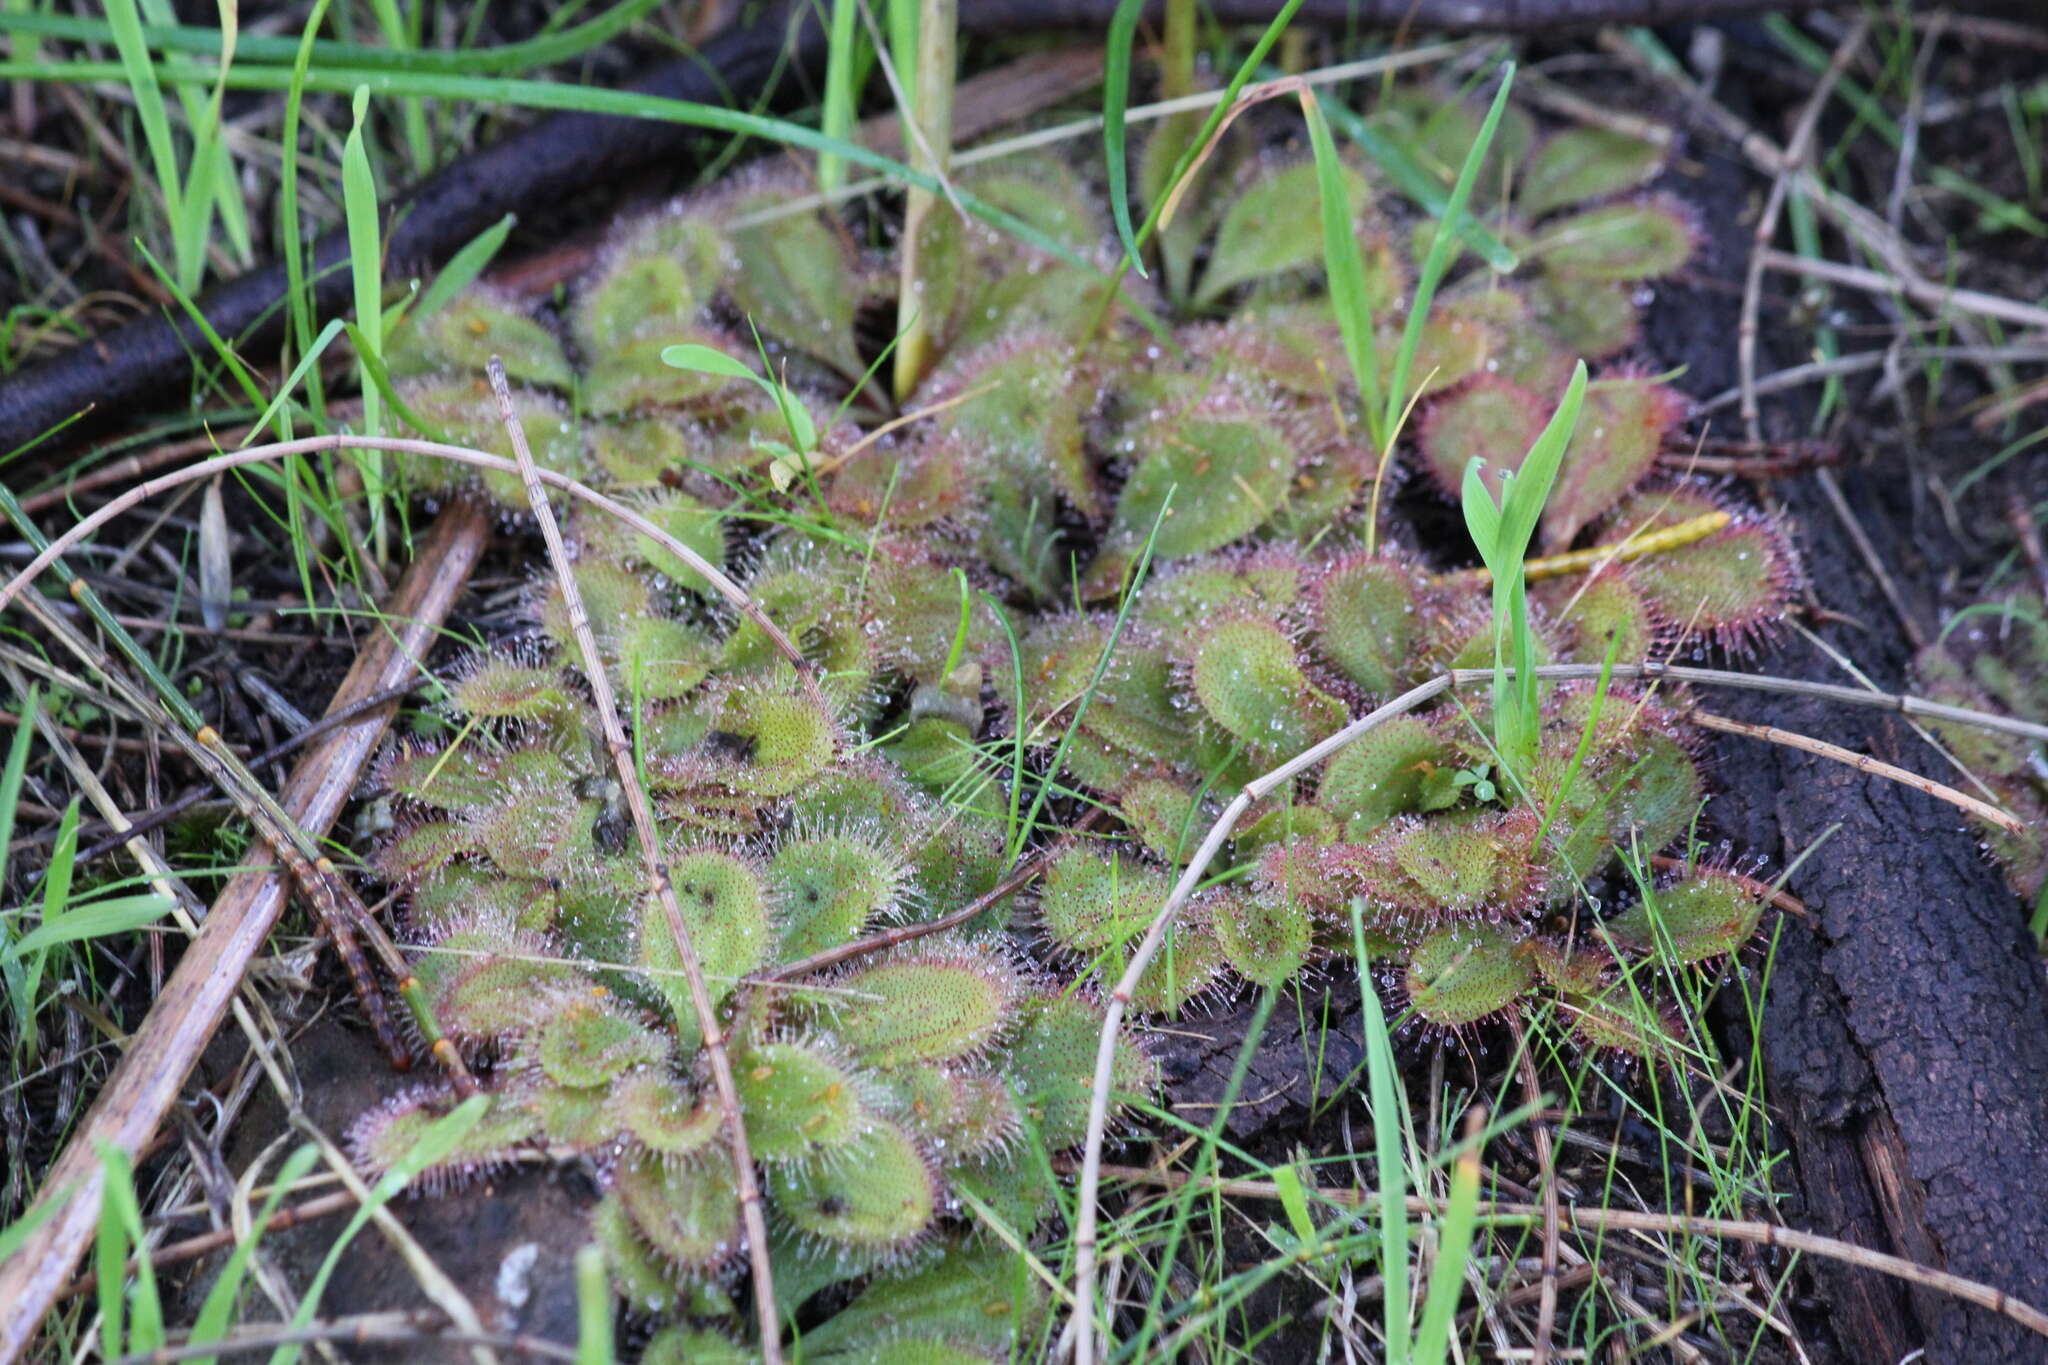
(1584, 164)
(1641, 240)
(466, 332)
(1228, 473)
(1265, 232)
(795, 280)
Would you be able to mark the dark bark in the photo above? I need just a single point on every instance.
(1906, 1029)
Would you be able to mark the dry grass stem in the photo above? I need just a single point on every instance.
(1921, 291)
(391, 1329)
(1767, 222)
(747, 1188)
(1546, 1165)
(1863, 763)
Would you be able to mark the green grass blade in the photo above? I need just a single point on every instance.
(434, 1144)
(1406, 174)
(463, 267)
(193, 226)
(1442, 249)
(16, 770)
(1238, 81)
(521, 56)
(1453, 1250)
(110, 1254)
(836, 116)
(1346, 270)
(1116, 96)
(1388, 1160)
(366, 267)
(119, 1205)
(594, 100)
(593, 1306)
(298, 291)
(307, 363)
(93, 919)
(209, 187)
(1523, 493)
(34, 956)
(359, 196)
(902, 32)
(1529, 488)
(412, 116)
(214, 1314)
(16, 1234)
(136, 68)
(232, 363)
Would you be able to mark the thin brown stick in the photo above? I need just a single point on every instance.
(1583, 1218)
(2021, 518)
(1546, 1165)
(339, 909)
(182, 1021)
(615, 740)
(1920, 290)
(129, 467)
(1796, 375)
(1767, 221)
(1873, 562)
(1025, 874)
(1868, 230)
(1862, 763)
(205, 1243)
(362, 1330)
(141, 822)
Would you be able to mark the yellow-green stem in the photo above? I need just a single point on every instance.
(929, 138)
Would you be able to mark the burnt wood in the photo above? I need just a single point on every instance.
(1906, 1028)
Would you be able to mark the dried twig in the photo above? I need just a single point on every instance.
(906, 933)
(187, 1011)
(1862, 763)
(1546, 1165)
(621, 749)
(1873, 562)
(1921, 291)
(1767, 221)
(1796, 375)
(396, 1329)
